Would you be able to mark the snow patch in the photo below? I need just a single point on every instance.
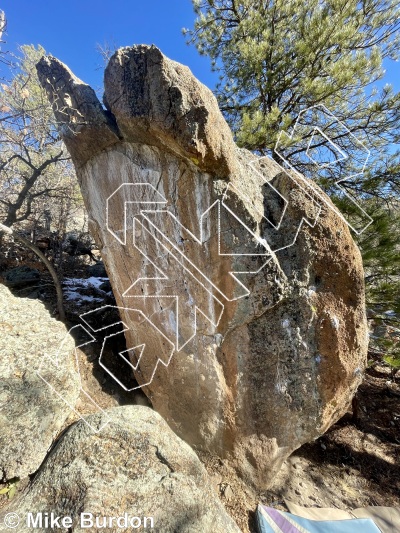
(73, 286)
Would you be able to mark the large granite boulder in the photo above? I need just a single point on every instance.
(241, 294)
(134, 469)
(33, 390)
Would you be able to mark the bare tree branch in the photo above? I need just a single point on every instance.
(49, 266)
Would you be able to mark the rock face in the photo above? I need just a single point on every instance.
(242, 296)
(31, 415)
(135, 465)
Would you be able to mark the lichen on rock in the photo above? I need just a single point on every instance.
(252, 330)
(135, 466)
(31, 414)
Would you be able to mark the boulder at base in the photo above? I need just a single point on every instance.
(32, 413)
(135, 466)
(21, 276)
(242, 291)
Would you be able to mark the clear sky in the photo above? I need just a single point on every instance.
(71, 29)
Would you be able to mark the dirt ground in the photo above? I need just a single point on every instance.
(355, 464)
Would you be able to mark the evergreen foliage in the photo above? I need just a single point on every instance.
(279, 57)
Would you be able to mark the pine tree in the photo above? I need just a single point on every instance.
(277, 58)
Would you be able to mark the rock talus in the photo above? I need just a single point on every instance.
(31, 414)
(242, 297)
(135, 466)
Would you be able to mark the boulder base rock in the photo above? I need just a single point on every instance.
(134, 465)
(242, 296)
(31, 414)
(21, 276)
(97, 270)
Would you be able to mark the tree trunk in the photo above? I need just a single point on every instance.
(49, 266)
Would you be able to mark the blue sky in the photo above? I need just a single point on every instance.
(71, 30)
